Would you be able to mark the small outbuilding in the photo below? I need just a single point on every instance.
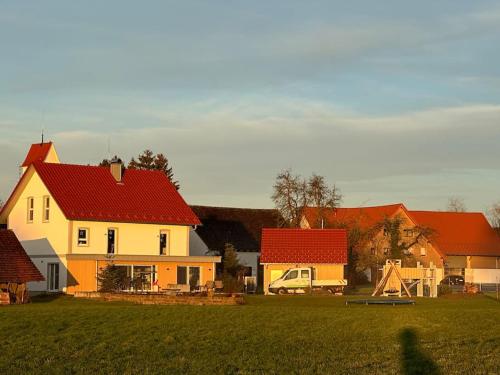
(16, 270)
(322, 251)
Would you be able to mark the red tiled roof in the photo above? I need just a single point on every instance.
(304, 246)
(37, 152)
(92, 193)
(15, 265)
(365, 217)
(460, 233)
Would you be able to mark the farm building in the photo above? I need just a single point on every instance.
(241, 227)
(460, 243)
(323, 250)
(16, 269)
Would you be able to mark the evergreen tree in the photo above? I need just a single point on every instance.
(149, 161)
(232, 270)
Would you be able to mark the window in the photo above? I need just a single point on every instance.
(408, 232)
(423, 251)
(181, 275)
(188, 275)
(292, 275)
(372, 250)
(164, 242)
(386, 232)
(112, 239)
(46, 209)
(53, 277)
(304, 274)
(386, 250)
(31, 209)
(83, 236)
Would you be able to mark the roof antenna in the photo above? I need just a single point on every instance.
(42, 134)
(109, 147)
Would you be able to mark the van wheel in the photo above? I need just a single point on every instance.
(331, 290)
(282, 291)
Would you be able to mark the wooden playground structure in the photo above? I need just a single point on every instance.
(398, 281)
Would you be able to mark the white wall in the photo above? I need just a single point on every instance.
(249, 260)
(196, 244)
(482, 275)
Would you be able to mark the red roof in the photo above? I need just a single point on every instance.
(365, 217)
(304, 246)
(37, 152)
(92, 194)
(15, 265)
(460, 233)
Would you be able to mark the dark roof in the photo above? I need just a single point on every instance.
(91, 193)
(239, 226)
(15, 265)
(304, 246)
(37, 152)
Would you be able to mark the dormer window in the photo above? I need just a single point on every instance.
(46, 208)
(31, 209)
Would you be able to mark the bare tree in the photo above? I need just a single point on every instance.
(321, 196)
(494, 216)
(456, 204)
(292, 193)
(1, 204)
(290, 196)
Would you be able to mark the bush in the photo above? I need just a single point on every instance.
(444, 289)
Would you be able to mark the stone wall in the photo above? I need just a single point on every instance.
(164, 299)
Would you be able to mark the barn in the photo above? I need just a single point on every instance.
(16, 269)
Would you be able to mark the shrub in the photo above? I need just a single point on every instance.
(444, 289)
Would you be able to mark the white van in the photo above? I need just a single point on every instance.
(300, 280)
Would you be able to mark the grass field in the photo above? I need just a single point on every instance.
(269, 335)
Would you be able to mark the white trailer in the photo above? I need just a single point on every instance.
(300, 280)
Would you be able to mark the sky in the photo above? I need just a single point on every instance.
(393, 101)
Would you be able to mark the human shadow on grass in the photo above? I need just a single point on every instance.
(413, 360)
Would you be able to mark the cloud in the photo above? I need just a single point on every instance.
(233, 152)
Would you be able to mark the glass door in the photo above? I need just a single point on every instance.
(53, 277)
(194, 277)
(111, 240)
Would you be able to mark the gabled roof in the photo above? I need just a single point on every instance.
(37, 152)
(460, 233)
(364, 217)
(304, 246)
(91, 193)
(241, 227)
(15, 265)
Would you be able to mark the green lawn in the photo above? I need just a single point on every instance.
(269, 335)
